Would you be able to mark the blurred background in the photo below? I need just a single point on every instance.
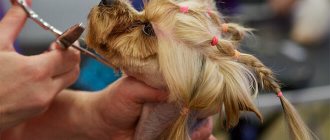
(291, 37)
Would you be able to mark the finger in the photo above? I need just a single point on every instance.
(204, 131)
(11, 25)
(65, 80)
(58, 61)
(212, 138)
(142, 93)
(29, 2)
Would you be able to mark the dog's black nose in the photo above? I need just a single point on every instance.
(107, 2)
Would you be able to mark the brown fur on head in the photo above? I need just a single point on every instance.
(116, 33)
(170, 49)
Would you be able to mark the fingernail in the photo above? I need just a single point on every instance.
(52, 47)
(55, 46)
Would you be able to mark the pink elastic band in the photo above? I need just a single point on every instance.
(215, 41)
(280, 94)
(184, 9)
(209, 11)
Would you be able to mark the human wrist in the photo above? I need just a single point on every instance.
(59, 122)
(88, 120)
(103, 119)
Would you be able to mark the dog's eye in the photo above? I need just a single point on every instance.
(148, 29)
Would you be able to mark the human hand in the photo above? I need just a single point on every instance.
(29, 84)
(109, 114)
(204, 132)
(119, 107)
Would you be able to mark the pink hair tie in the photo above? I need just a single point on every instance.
(184, 9)
(280, 94)
(215, 41)
(209, 11)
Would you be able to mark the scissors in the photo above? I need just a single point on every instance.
(67, 38)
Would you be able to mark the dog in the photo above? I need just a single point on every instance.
(187, 49)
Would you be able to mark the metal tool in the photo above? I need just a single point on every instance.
(65, 39)
(70, 36)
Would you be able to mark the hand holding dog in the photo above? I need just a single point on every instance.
(120, 107)
(112, 113)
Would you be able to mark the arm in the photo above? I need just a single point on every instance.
(109, 114)
(63, 120)
(76, 115)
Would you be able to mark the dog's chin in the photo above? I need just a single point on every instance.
(147, 72)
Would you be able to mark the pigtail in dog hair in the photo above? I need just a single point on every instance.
(298, 129)
(296, 125)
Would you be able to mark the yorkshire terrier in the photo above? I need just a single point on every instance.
(185, 48)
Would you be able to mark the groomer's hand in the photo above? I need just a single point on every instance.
(29, 84)
(110, 114)
(119, 108)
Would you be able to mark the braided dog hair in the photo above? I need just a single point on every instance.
(195, 52)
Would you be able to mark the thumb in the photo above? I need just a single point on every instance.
(212, 138)
(140, 92)
(58, 61)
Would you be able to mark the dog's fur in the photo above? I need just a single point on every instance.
(202, 79)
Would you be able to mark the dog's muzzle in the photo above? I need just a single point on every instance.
(106, 2)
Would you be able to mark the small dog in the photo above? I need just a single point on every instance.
(186, 48)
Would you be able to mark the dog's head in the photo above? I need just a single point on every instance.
(121, 34)
(190, 46)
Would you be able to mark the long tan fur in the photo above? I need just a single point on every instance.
(202, 79)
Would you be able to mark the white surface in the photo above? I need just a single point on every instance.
(60, 13)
